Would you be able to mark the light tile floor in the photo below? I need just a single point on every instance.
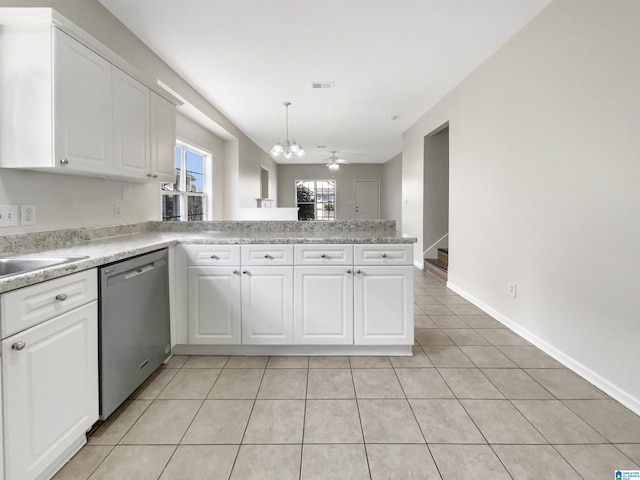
(475, 401)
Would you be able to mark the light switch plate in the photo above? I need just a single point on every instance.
(11, 216)
(27, 214)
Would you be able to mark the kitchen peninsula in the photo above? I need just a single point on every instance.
(280, 287)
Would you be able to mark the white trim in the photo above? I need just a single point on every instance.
(614, 391)
(419, 265)
(354, 196)
(392, 350)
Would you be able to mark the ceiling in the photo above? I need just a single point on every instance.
(387, 58)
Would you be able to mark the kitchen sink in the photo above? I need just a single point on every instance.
(28, 263)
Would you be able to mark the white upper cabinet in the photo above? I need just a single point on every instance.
(163, 139)
(70, 105)
(132, 125)
(83, 135)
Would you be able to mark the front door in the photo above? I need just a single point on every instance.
(367, 200)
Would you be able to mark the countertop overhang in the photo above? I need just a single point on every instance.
(112, 249)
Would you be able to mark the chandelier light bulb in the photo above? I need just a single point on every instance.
(333, 166)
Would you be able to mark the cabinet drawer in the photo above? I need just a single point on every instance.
(29, 306)
(267, 254)
(213, 255)
(323, 254)
(384, 254)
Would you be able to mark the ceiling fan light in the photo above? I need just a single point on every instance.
(333, 166)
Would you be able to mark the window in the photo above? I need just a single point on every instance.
(185, 199)
(316, 200)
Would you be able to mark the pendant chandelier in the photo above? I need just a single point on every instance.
(287, 146)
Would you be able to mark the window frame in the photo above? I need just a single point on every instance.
(315, 200)
(180, 194)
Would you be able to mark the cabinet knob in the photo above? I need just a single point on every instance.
(215, 257)
(349, 271)
(64, 161)
(358, 272)
(61, 297)
(244, 272)
(267, 256)
(149, 175)
(384, 255)
(155, 176)
(18, 346)
(235, 272)
(323, 255)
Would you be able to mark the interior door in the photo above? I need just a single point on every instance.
(367, 199)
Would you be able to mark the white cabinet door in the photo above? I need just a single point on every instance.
(50, 390)
(163, 139)
(267, 305)
(214, 305)
(82, 107)
(383, 305)
(323, 305)
(131, 126)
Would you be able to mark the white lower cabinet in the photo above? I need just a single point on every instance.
(323, 305)
(267, 305)
(383, 305)
(214, 305)
(50, 391)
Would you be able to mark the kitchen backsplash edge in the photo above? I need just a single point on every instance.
(37, 241)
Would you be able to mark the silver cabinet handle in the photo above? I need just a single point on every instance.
(349, 271)
(384, 255)
(267, 256)
(215, 257)
(235, 272)
(244, 272)
(323, 256)
(61, 297)
(155, 176)
(149, 175)
(358, 272)
(18, 346)
(64, 161)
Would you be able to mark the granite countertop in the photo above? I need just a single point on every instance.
(101, 251)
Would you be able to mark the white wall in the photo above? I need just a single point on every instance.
(544, 173)
(190, 132)
(289, 173)
(92, 17)
(391, 195)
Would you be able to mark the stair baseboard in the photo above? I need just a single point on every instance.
(436, 268)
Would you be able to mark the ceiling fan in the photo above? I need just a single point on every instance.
(333, 162)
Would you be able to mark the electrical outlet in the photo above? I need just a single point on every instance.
(27, 214)
(117, 210)
(512, 290)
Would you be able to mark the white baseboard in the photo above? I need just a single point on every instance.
(611, 389)
(418, 265)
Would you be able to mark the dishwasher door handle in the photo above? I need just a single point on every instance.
(138, 271)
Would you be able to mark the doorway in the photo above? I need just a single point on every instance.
(436, 197)
(367, 199)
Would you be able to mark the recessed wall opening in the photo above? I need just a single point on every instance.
(264, 182)
(436, 200)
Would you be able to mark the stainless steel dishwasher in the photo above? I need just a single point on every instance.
(134, 337)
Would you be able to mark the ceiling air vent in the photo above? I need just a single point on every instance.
(322, 84)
